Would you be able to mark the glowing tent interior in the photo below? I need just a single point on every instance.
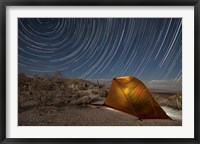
(130, 95)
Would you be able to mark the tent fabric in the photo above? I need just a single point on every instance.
(130, 95)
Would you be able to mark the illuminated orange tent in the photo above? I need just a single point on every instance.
(130, 95)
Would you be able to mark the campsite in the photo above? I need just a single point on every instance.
(58, 101)
(100, 71)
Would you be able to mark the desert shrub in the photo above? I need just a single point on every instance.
(51, 90)
(173, 101)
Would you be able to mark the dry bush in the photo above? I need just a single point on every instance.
(170, 100)
(52, 91)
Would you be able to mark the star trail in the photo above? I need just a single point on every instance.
(102, 48)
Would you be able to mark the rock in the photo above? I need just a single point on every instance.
(83, 100)
(98, 101)
(73, 101)
(91, 86)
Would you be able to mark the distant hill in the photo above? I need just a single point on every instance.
(104, 82)
(165, 91)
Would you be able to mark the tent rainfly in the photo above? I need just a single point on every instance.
(130, 95)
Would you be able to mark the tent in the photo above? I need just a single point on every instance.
(130, 95)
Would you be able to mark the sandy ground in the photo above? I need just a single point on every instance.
(91, 116)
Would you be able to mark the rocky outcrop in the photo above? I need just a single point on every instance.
(56, 91)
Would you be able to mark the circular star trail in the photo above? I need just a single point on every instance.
(102, 48)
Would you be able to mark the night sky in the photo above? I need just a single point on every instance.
(102, 48)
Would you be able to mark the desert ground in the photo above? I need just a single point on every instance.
(57, 101)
